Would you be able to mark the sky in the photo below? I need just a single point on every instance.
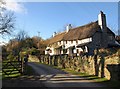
(50, 17)
(119, 18)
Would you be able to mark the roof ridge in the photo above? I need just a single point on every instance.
(60, 33)
(85, 25)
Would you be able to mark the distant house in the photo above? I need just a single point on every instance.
(82, 39)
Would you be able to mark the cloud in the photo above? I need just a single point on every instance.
(15, 6)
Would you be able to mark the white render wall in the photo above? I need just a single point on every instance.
(70, 44)
(84, 40)
(52, 53)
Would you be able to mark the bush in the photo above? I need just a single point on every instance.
(10, 57)
(34, 51)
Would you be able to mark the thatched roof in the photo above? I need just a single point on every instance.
(58, 37)
(79, 33)
(84, 31)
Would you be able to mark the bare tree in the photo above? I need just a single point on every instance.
(7, 19)
(22, 35)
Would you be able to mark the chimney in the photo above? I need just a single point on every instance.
(102, 21)
(54, 34)
(68, 27)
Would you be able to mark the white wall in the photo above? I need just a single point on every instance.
(48, 52)
(69, 44)
(85, 40)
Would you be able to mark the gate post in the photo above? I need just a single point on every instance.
(22, 66)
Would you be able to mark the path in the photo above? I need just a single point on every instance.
(51, 77)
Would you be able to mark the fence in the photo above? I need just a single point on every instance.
(12, 67)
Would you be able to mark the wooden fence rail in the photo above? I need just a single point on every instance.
(12, 67)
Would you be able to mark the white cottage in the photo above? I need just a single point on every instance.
(82, 39)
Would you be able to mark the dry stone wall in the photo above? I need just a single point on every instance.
(101, 65)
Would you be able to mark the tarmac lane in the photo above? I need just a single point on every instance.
(55, 78)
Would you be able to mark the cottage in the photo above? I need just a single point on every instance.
(55, 44)
(82, 39)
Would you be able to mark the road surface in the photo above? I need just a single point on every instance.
(51, 77)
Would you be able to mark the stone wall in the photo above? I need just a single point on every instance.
(102, 64)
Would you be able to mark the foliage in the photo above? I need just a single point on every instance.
(22, 44)
(4, 53)
(10, 56)
(34, 51)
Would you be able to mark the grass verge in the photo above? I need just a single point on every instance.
(10, 72)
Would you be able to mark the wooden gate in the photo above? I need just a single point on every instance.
(11, 68)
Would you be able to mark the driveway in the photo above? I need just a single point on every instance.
(51, 77)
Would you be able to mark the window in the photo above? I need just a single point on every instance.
(76, 41)
(64, 51)
(71, 41)
(50, 51)
(66, 42)
(77, 50)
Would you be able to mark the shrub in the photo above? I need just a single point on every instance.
(34, 51)
(10, 57)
